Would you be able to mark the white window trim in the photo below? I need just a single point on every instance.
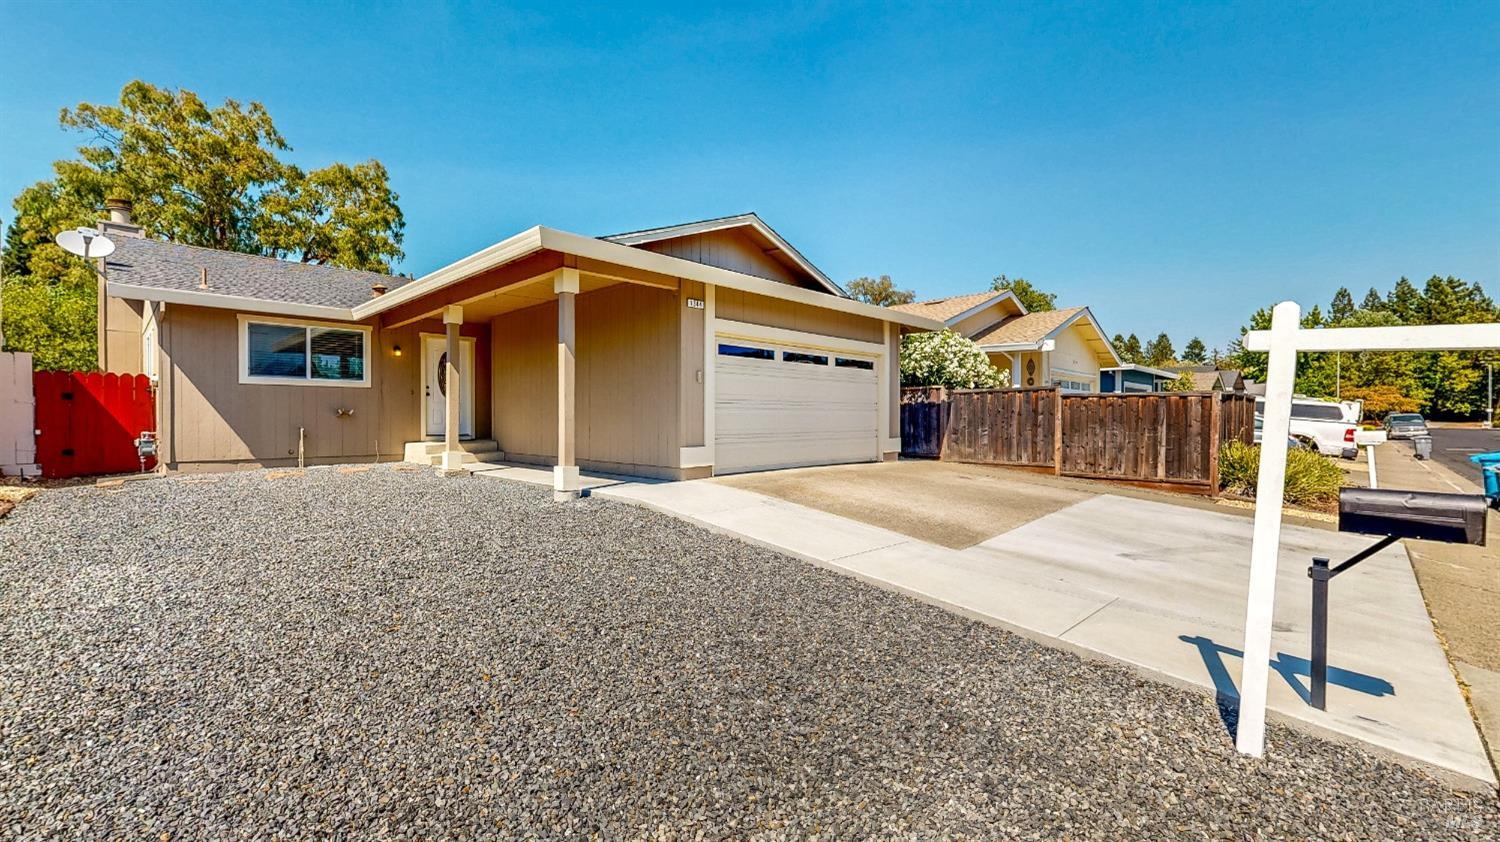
(244, 342)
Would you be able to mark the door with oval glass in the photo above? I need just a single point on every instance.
(435, 384)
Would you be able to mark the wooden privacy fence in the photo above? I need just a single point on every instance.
(87, 422)
(1153, 437)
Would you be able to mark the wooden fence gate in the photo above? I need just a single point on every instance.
(1157, 437)
(87, 422)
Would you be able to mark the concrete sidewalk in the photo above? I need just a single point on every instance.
(1461, 585)
(1155, 585)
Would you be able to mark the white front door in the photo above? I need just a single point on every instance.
(435, 385)
(780, 406)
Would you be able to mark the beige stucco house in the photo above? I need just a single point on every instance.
(677, 352)
(1066, 348)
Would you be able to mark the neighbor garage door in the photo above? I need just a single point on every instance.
(780, 406)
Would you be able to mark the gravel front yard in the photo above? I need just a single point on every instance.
(393, 653)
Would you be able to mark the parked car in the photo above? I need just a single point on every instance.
(1405, 425)
(1323, 425)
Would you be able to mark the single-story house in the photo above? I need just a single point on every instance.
(1133, 377)
(1207, 378)
(686, 351)
(1065, 348)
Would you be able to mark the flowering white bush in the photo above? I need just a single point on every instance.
(947, 359)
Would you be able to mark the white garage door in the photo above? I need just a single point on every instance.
(780, 406)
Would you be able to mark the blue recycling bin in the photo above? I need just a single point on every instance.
(1489, 471)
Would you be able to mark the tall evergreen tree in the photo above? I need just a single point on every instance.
(1195, 352)
(1159, 351)
(1405, 303)
(1342, 306)
(1373, 302)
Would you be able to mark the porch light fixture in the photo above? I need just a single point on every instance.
(395, 350)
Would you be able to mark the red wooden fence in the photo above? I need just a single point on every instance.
(87, 422)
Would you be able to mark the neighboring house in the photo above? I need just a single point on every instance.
(1065, 348)
(1206, 378)
(678, 352)
(1132, 377)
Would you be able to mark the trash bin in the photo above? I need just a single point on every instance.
(1423, 446)
(1489, 474)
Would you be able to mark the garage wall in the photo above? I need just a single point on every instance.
(208, 417)
(627, 391)
(740, 306)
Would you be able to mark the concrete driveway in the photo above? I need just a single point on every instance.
(950, 504)
(1154, 580)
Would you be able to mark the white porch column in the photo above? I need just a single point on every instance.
(565, 474)
(453, 317)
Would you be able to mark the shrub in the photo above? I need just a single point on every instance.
(944, 358)
(1311, 479)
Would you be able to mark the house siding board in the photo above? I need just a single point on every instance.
(213, 418)
(728, 249)
(739, 306)
(121, 335)
(627, 393)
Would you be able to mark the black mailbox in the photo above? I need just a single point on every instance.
(1424, 515)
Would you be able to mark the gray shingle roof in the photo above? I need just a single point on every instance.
(154, 263)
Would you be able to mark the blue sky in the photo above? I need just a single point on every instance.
(1173, 168)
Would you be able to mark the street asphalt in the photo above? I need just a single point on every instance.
(1453, 446)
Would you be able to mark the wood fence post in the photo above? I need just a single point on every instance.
(1057, 431)
(1216, 415)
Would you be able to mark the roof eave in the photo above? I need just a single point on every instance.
(220, 301)
(507, 250)
(651, 261)
(1000, 294)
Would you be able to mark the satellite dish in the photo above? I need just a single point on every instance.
(85, 242)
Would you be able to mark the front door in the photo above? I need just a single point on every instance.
(435, 385)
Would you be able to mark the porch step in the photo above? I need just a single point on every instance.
(474, 450)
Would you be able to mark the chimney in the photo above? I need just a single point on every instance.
(119, 221)
(202, 277)
(377, 289)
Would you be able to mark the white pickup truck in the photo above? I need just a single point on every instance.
(1329, 427)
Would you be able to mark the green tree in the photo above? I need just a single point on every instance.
(1405, 303)
(1129, 348)
(201, 175)
(1181, 383)
(1342, 306)
(1373, 302)
(1195, 352)
(1033, 299)
(1159, 351)
(881, 292)
(944, 358)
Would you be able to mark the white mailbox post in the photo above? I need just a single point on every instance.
(1283, 341)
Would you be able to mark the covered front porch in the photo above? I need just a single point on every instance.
(510, 338)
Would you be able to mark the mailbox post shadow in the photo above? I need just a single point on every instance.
(1290, 667)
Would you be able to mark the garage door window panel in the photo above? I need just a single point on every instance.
(745, 352)
(806, 359)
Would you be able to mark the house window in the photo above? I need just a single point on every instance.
(746, 351)
(808, 359)
(1074, 385)
(302, 354)
(845, 362)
